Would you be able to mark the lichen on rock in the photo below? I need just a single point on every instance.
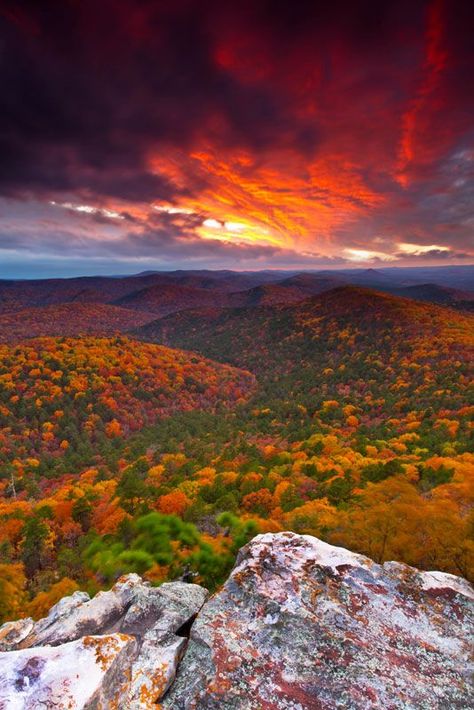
(117, 650)
(77, 674)
(299, 625)
(303, 625)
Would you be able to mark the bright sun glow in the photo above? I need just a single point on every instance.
(172, 210)
(88, 209)
(212, 224)
(367, 255)
(234, 227)
(237, 232)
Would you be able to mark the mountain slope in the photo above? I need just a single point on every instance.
(290, 290)
(265, 294)
(18, 295)
(434, 293)
(348, 343)
(163, 299)
(55, 390)
(223, 280)
(313, 284)
(69, 319)
(245, 335)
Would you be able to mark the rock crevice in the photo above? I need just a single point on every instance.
(299, 625)
(123, 645)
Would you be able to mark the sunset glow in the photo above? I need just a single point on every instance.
(263, 137)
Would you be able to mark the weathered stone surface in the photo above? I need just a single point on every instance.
(78, 615)
(89, 672)
(137, 651)
(302, 625)
(299, 625)
(172, 606)
(13, 632)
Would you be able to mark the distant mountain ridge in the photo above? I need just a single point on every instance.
(434, 293)
(89, 304)
(18, 294)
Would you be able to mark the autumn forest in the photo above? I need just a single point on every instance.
(156, 423)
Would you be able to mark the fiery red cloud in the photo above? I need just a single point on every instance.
(266, 133)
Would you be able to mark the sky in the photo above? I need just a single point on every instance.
(244, 135)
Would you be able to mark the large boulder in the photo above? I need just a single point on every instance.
(89, 672)
(302, 625)
(299, 625)
(120, 649)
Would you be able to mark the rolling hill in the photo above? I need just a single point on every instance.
(60, 396)
(163, 299)
(17, 295)
(170, 298)
(341, 338)
(223, 280)
(69, 319)
(313, 284)
(434, 293)
(265, 294)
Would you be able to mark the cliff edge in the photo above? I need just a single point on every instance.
(299, 625)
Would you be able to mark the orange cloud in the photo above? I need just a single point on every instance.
(279, 200)
(435, 62)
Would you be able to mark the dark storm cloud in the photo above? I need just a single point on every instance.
(358, 108)
(89, 88)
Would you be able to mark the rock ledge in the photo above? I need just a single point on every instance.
(299, 625)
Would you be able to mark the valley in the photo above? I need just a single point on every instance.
(159, 439)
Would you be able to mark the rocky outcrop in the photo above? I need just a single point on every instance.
(89, 672)
(117, 650)
(299, 625)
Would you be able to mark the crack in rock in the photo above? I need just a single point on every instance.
(299, 625)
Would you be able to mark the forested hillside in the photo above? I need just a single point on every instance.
(119, 455)
(69, 319)
(62, 399)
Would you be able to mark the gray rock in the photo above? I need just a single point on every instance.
(90, 672)
(118, 650)
(78, 615)
(156, 616)
(302, 625)
(12, 633)
(299, 625)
